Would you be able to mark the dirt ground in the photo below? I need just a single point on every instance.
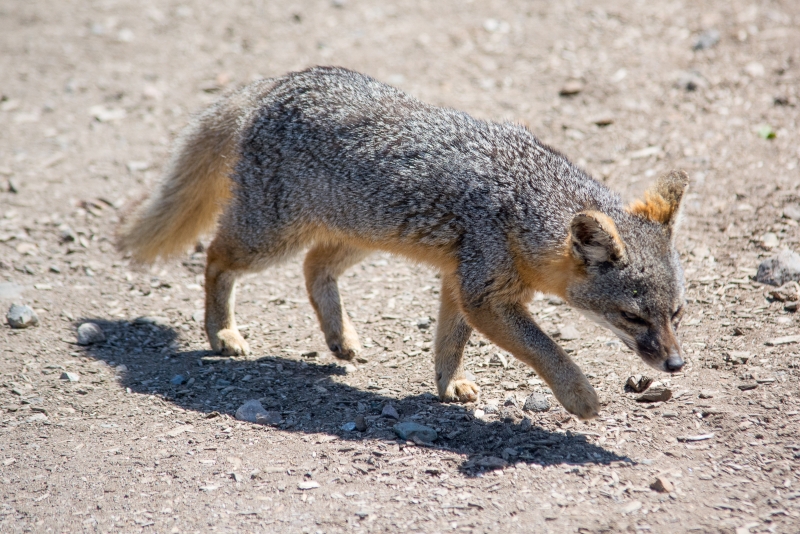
(92, 94)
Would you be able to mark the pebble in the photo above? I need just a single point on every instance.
(70, 377)
(491, 407)
(779, 269)
(569, 333)
(349, 426)
(662, 485)
(708, 39)
(655, 394)
(361, 423)
(390, 411)
(89, 334)
(250, 410)
(408, 430)
(510, 386)
(177, 380)
(525, 424)
(769, 241)
(572, 87)
(269, 418)
(511, 400)
(638, 383)
(790, 291)
(498, 359)
(21, 316)
(536, 402)
(792, 212)
(36, 418)
(424, 323)
(707, 394)
(307, 485)
(349, 369)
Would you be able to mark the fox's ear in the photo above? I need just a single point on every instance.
(662, 203)
(594, 239)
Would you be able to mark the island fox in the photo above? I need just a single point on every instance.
(334, 161)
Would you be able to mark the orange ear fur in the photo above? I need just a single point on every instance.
(653, 207)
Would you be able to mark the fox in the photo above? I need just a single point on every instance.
(338, 164)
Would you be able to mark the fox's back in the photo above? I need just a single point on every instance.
(340, 149)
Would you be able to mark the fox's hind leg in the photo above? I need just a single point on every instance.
(223, 264)
(323, 265)
(452, 334)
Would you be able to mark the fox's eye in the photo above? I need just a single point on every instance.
(632, 318)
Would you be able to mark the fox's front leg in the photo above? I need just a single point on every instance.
(511, 327)
(452, 334)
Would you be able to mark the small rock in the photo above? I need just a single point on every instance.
(271, 418)
(747, 386)
(791, 306)
(237, 477)
(67, 234)
(788, 292)
(511, 400)
(631, 507)
(655, 394)
(707, 394)
(662, 485)
(478, 413)
(307, 485)
(777, 270)
(250, 410)
(536, 403)
(510, 386)
(89, 334)
(792, 212)
(602, 119)
(491, 462)
(755, 69)
(70, 377)
(569, 333)
(691, 81)
(361, 423)
(738, 357)
(391, 412)
(177, 380)
(349, 427)
(21, 316)
(708, 39)
(572, 87)
(769, 241)
(37, 417)
(638, 383)
(491, 407)
(525, 424)
(408, 430)
(499, 360)
(424, 323)
(349, 369)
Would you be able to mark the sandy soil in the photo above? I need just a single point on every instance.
(93, 93)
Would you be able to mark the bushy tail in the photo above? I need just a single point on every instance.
(194, 188)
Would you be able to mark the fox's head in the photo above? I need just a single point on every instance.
(633, 281)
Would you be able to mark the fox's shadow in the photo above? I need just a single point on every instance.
(310, 401)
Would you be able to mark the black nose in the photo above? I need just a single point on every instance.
(674, 363)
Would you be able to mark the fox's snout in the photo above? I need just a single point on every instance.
(674, 363)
